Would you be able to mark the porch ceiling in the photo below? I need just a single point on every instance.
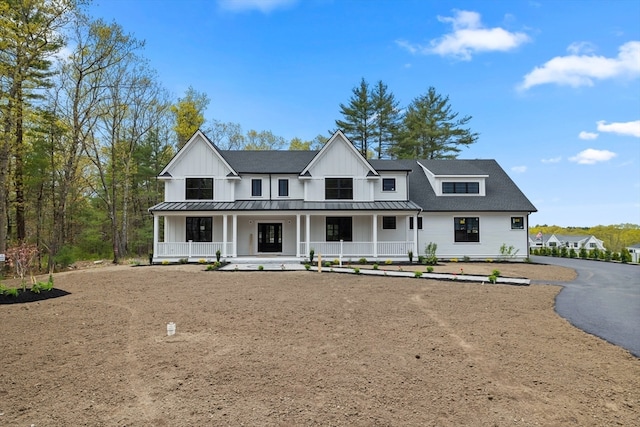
(284, 205)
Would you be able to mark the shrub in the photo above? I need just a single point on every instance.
(625, 256)
(572, 253)
(420, 259)
(388, 262)
(417, 274)
(493, 279)
(260, 267)
(356, 270)
(202, 261)
(410, 255)
(362, 260)
(312, 253)
(218, 255)
(326, 264)
(454, 260)
(165, 262)
(375, 266)
(429, 269)
(307, 267)
(465, 258)
(583, 253)
(11, 292)
(430, 254)
(508, 251)
(495, 273)
(563, 252)
(183, 261)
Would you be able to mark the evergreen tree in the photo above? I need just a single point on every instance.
(358, 123)
(387, 117)
(431, 130)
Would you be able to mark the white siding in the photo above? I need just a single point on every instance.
(401, 187)
(495, 230)
(243, 189)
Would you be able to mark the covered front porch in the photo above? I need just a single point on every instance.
(234, 236)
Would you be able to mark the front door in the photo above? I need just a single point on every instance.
(269, 237)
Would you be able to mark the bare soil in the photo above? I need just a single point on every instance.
(304, 348)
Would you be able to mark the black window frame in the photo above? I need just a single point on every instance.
(386, 181)
(389, 223)
(339, 228)
(466, 229)
(198, 189)
(199, 229)
(256, 187)
(514, 223)
(338, 188)
(411, 223)
(283, 187)
(458, 187)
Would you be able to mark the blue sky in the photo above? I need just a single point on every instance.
(553, 86)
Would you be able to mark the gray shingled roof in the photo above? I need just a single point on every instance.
(502, 194)
(261, 161)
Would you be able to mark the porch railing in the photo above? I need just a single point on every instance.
(357, 249)
(191, 249)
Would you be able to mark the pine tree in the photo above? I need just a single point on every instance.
(387, 117)
(431, 130)
(358, 117)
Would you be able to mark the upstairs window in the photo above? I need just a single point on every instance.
(256, 188)
(388, 184)
(283, 187)
(199, 189)
(466, 229)
(338, 188)
(460, 188)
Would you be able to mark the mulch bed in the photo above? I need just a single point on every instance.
(28, 296)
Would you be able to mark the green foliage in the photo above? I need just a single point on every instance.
(218, 256)
(356, 270)
(312, 253)
(189, 114)
(307, 267)
(430, 257)
(583, 253)
(362, 261)
(375, 266)
(625, 256)
(410, 254)
(495, 273)
(429, 269)
(563, 252)
(417, 274)
(260, 268)
(493, 278)
(615, 237)
(508, 251)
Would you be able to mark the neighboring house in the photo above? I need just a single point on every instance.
(634, 251)
(336, 202)
(558, 240)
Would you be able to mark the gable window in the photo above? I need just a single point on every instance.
(339, 228)
(283, 187)
(256, 187)
(338, 188)
(388, 222)
(199, 189)
(460, 188)
(411, 223)
(388, 184)
(467, 229)
(517, 223)
(199, 229)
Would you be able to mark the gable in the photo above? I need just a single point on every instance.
(198, 157)
(339, 157)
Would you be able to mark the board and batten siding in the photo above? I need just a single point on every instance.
(495, 230)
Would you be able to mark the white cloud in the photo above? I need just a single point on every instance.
(625, 128)
(581, 70)
(591, 156)
(581, 47)
(552, 160)
(469, 36)
(264, 6)
(587, 135)
(519, 169)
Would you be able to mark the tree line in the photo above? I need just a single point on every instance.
(86, 126)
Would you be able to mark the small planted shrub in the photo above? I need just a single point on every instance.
(388, 262)
(202, 261)
(326, 264)
(410, 255)
(430, 254)
(312, 253)
(420, 259)
(466, 258)
(572, 253)
(307, 267)
(493, 279)
(165, 262)
(362, 261)
(183, 260)
(508, 251)
(429, 269)
(11, 292)
(454, 260)
(211, 267)
(375, 266)
(356, 270)
(260, 267)
(495, 273)
(417, 274)
(335, 262)
(583, 253)
(218, 255)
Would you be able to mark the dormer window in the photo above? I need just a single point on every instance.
(388, 184)
(338, 188)
(460, 187)
(199, 189)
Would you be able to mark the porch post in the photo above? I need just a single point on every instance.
(297, 235)
(307, 225)
(415, 236)
(224, 235)
(375, 235)
(156, 229)
(235, 235)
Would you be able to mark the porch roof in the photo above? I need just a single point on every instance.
(283, 205)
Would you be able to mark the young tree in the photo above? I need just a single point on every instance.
(431, 130)
(387, 117)
(264, 140)
(358, 122)
(189, 114)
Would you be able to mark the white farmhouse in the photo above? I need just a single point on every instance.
(285, 203)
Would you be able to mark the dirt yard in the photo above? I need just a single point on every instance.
(306, 349)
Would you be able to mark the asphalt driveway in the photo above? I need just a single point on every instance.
(604, 300)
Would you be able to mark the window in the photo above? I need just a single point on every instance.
(467, 229)
(256, 187)
(460, 187)
(339, 228)
(388, 222)
(592, 245)
(388, 184)
(283, 187)
(411, 223)
(199, 189)
(199, 229)
(517, 223)
(338, 188)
